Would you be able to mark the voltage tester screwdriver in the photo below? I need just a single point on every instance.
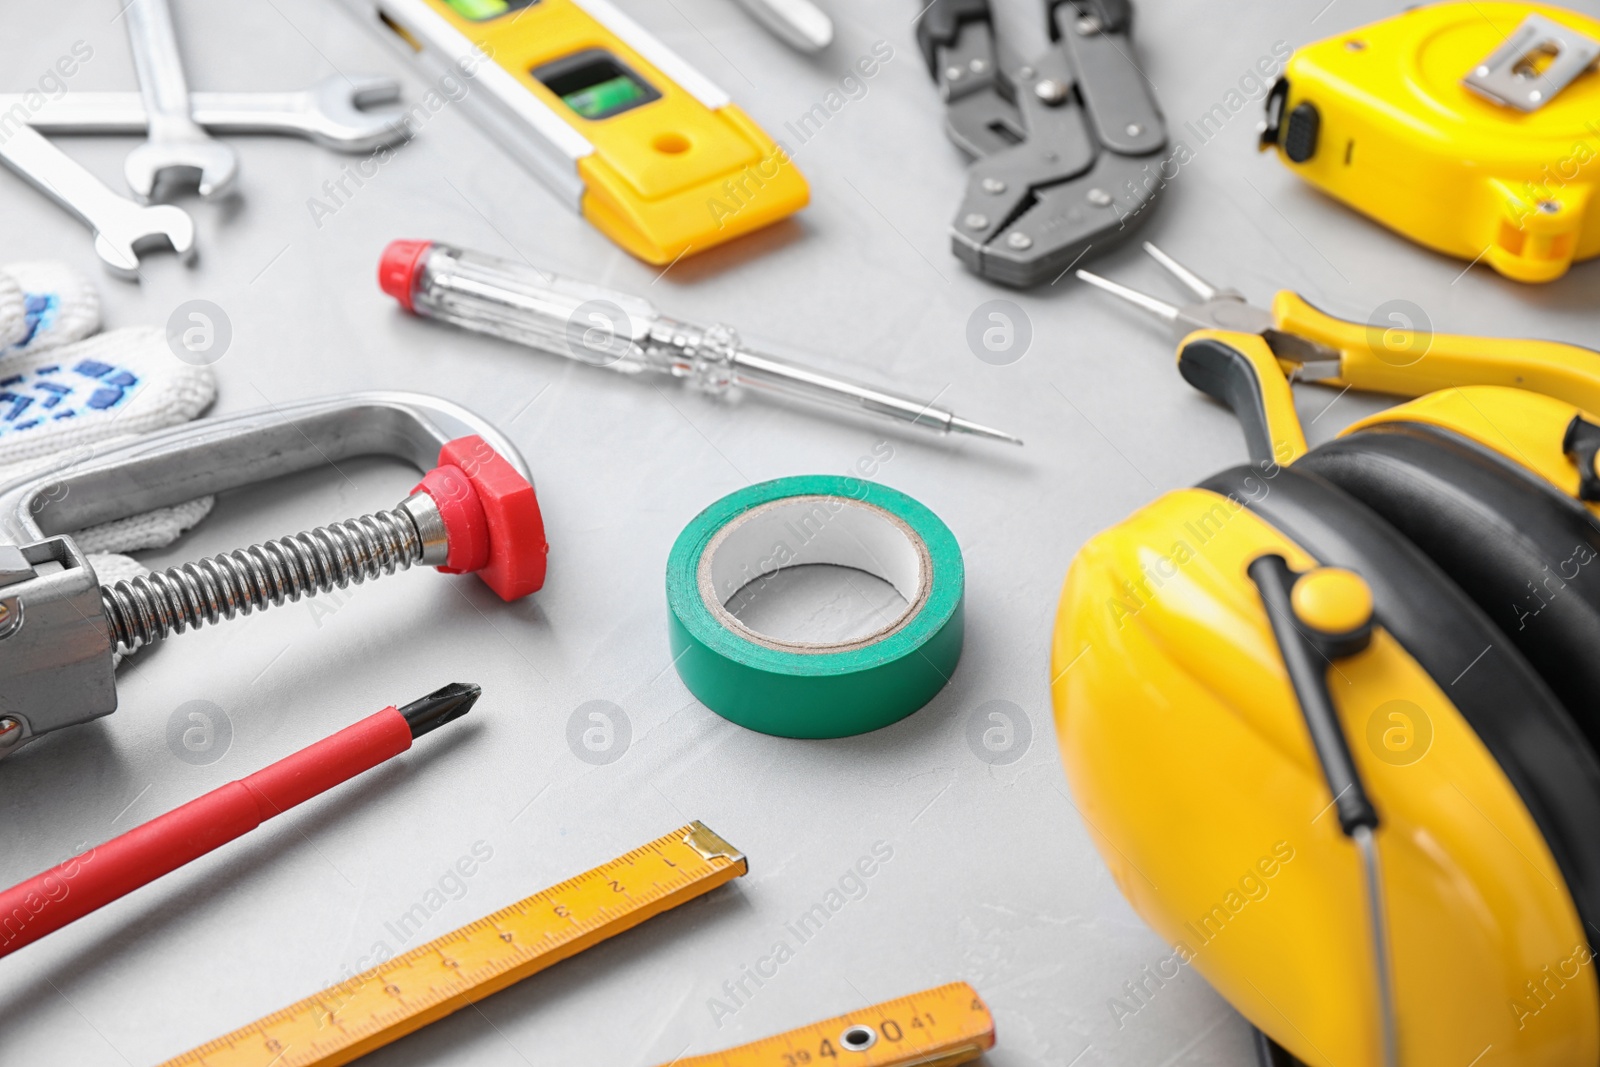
(86, 883)
(603, 327)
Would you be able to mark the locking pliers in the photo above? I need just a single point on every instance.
(1065, 148)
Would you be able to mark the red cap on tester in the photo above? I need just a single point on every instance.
(397, 269)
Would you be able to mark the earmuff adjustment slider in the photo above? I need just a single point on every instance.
(1306, 654)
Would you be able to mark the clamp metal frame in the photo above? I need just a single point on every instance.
(57, 644)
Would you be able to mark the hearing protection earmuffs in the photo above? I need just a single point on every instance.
(1383, 646)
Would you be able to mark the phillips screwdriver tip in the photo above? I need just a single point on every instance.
(439, 707)
(960, 425)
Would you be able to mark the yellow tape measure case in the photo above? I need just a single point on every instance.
(1471, 128)
(619, 126)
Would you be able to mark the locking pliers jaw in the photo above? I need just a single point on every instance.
(1061, 146)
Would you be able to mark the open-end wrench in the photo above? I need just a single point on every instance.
(177, 146)
(122, 228)
(346, 114)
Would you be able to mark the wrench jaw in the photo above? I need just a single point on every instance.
(355, 114)
(164, 227)
(1062, 145)
(1097, 211)
(157, 169)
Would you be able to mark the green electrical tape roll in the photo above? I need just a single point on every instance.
(810, 690)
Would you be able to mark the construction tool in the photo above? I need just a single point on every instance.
(800, 24)
(396, 998)
(108, 872)
(354, 113)
(622, 129)
(1247, 356)
(607, 328)
(939, 1027)
(474, 511)
(123, 229)
(1065, 147)
(177, 149)
(1468, 127)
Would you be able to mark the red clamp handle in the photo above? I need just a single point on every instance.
(491, 518)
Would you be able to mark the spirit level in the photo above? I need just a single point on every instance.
(935, 1028)
(381, 1005)
(1472, 128)
(625, 131)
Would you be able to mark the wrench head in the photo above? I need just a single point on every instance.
(166, 165)
(348, 113)
(145, 229)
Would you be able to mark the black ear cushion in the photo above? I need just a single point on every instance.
(1528, 555)
(1504, 700)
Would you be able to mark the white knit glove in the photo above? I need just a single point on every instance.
(67, 391)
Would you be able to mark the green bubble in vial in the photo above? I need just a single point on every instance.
(610, 95)
(478, 10)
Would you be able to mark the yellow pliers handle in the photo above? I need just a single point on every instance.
(1241, 371)
(1409, 362)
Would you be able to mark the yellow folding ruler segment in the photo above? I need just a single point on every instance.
(431, 981)
(935, 1028)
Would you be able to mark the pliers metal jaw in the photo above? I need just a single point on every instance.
(1247, 356)
(1227, 310)
(1065, 147)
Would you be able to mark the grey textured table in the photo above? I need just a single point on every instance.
(993, 877)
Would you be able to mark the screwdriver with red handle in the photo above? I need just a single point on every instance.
(85, 883)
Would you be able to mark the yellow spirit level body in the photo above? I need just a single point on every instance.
(1399, 120)
(619, 126)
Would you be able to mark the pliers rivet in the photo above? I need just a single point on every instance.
(976, 222)
(1051, 91)
(994, 185)
(1020, 241)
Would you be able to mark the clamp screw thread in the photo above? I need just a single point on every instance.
(143, 610)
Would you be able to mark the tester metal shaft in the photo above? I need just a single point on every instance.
(606, 328)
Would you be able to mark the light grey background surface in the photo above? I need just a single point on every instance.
(993, 877)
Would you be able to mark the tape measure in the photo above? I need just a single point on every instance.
(935, 1028)
(625, 131)
(1470, 128)
(383, 1004)
(799, 689)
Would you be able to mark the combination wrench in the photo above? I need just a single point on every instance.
(178, 148)
(348, 114)
(122, 228)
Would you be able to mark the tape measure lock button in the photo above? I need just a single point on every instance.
(807, 689)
